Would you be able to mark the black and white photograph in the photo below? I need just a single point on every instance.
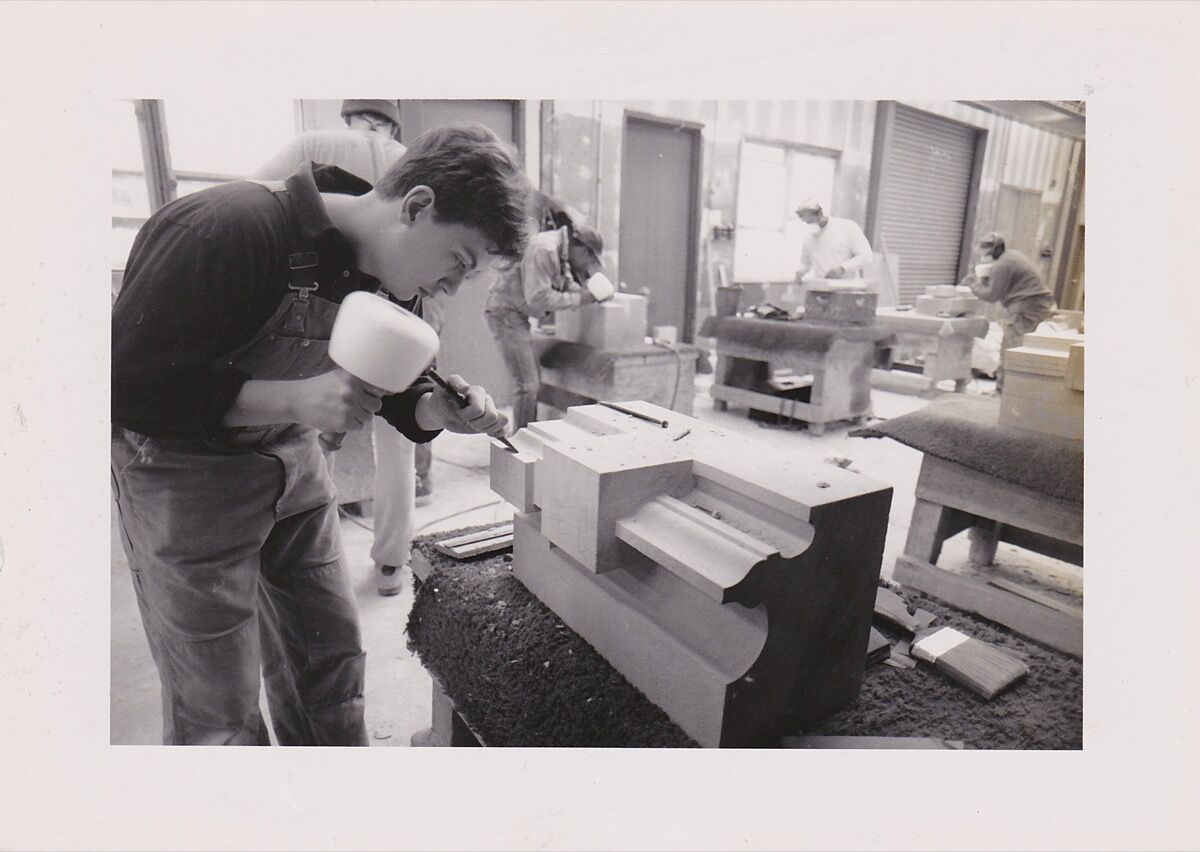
(651, 437)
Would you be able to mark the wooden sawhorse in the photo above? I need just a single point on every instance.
(952, 497)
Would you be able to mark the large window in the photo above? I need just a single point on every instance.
(130, 196)
(772, 180)
(192, 143)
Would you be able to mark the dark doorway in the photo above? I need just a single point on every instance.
(660, 168)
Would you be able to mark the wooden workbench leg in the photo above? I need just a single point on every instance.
(929, 527)
(817, 429)
(984, 539)
(448, 728)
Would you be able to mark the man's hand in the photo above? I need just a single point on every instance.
(440, 410)
(335, 401)
(835, 272)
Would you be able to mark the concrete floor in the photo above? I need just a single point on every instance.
(398, 688)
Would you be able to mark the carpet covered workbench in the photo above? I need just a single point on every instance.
(831, 364)
(1003, 483)
(517, 676)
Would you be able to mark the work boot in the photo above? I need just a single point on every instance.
(424, 493)
(388, 579)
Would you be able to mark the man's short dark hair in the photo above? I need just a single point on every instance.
(476, 179)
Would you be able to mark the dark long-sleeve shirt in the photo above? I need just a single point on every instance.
(1012, 277)
(204, 274)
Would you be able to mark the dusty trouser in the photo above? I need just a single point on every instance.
(236, 557)
(1021, 317)
(511, 332)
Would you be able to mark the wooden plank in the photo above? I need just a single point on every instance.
(1038, 543)
(1050, 627)
(1033, 595)
(1075, 367)
(949, 484)
(1029, 359)
(479, 535)
(467, 551)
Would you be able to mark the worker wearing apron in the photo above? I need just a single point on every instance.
(230, 527)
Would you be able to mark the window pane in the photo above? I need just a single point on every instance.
(762, 194)
(229, 136)
(758, 257)
(130, 198)
(811, 177)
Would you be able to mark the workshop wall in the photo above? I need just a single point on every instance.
(581, 161)
(1026, 171)
(1019, 159)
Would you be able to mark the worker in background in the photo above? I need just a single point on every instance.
(1007, 276)
(368, 152)
(367, 147)
(558, 262)
(835, 248)
(221, 383)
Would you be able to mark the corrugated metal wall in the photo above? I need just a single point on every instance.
(1024, 158)
(925, 188)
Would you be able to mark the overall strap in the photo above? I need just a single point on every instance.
(302, 260)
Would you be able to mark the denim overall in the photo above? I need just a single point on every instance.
(236, 556)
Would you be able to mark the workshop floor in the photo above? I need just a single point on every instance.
(398, 688)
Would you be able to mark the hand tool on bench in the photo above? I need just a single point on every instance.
(632, 413)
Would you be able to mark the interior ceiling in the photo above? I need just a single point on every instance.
(1065, 117)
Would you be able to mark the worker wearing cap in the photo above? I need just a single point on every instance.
(1008, 277)
(557, 262)
(836, 248)
(366, 146)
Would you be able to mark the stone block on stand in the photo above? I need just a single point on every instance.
(737, 595)
(619, 323)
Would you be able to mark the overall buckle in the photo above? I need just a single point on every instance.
(303, 266)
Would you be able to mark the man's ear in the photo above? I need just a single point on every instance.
(415, 200)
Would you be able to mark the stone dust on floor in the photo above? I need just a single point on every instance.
(398, 689)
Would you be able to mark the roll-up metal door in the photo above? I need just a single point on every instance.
(923, 198)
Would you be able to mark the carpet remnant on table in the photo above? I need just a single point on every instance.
(1044, 710)
(516, 674)
(784, 336)
(966, 430)
(520, 677)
